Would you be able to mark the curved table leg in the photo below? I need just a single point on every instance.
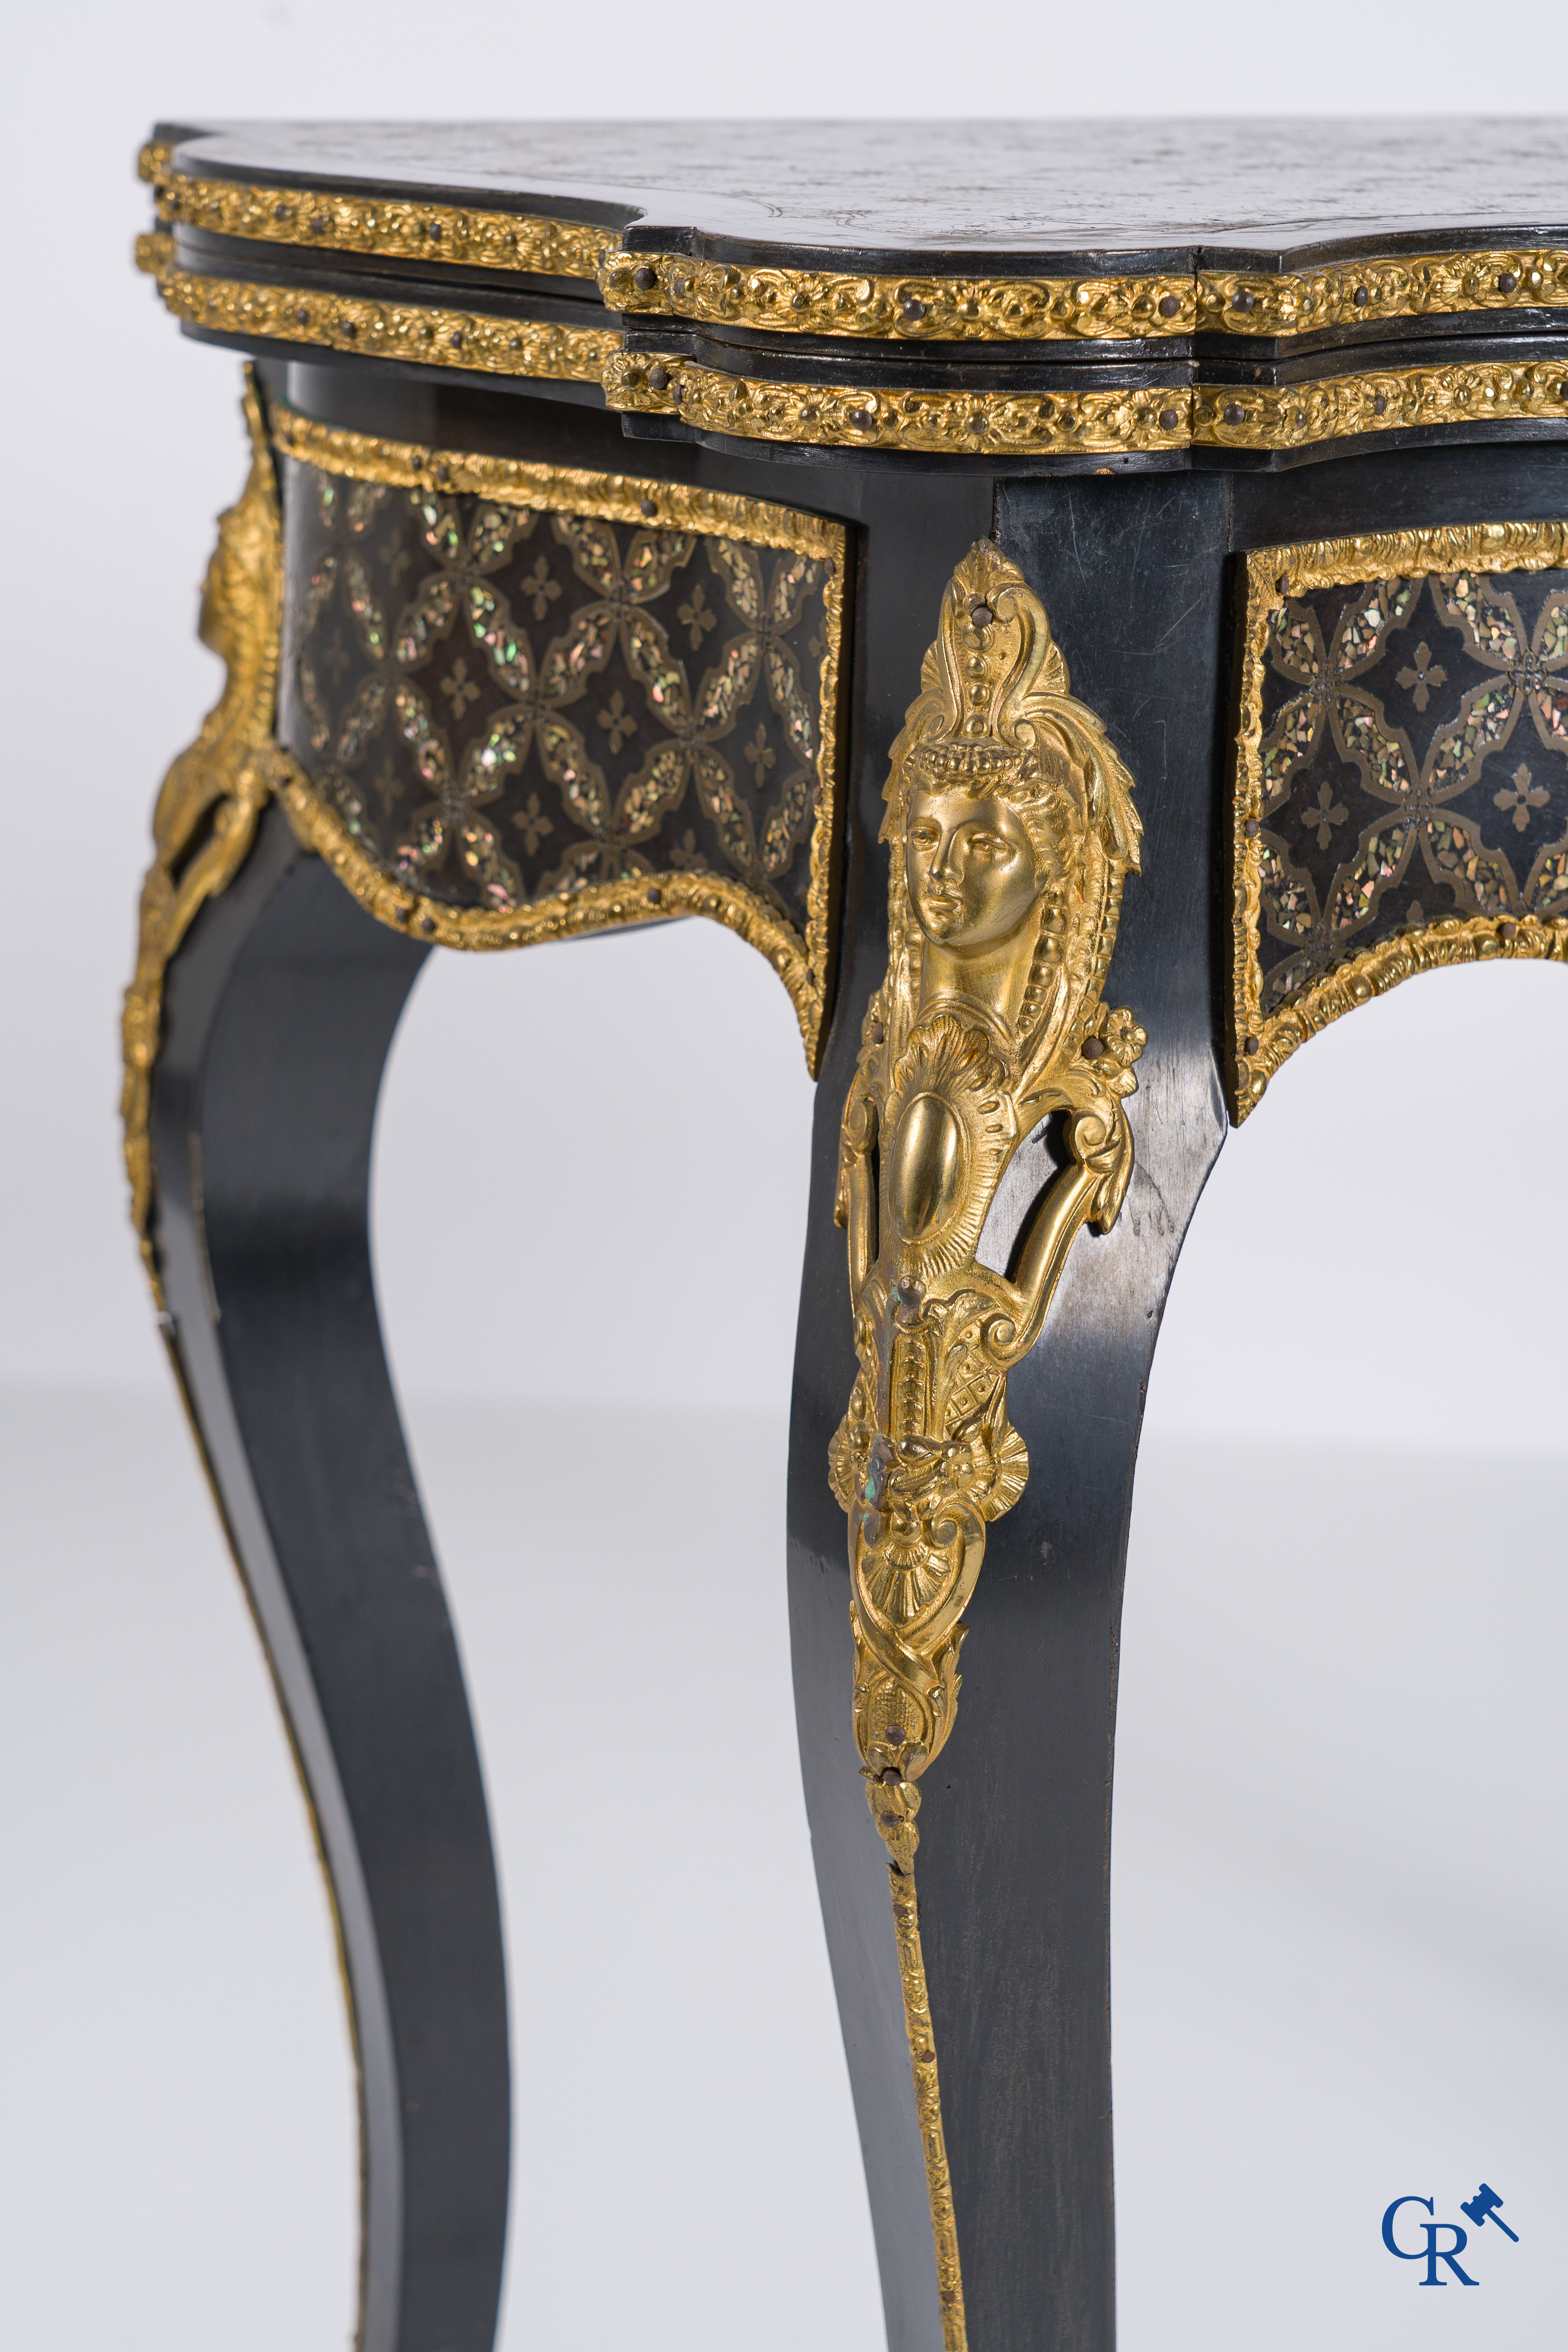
(1013, 1904)
(280, 1008)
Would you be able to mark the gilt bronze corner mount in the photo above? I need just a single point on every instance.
(212, 798)
(1011, 827)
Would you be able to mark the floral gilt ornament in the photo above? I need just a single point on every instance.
(1011, 823)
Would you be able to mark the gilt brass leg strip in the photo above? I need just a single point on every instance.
(928, 2100)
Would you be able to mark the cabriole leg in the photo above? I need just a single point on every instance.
(977, 1110)
(279, 1010)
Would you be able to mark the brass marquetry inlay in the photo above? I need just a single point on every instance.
(1402, 773)
(529, 702)
(394, 226)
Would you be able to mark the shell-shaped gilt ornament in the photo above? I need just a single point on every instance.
(1010, 825)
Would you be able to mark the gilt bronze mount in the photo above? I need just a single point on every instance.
(1012, 828)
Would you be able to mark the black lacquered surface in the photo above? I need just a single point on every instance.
(1037, 195)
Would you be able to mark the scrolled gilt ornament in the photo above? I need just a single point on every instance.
(212, 798)
(337, 220)
(918, 308)
(420, 333)
(1384, 400)
(1088, 423)
(1012, 827)
(1386, 285)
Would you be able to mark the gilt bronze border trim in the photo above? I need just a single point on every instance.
(1387, 285)
(946, 424)
(1379, 400)
(1258, 1044)
(1146, 420)
(803, 966)
(912, 306)
(471, 235)
(1142, 420)
(921, 308)
(418, 331)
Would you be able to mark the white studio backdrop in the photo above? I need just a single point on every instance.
(589, 1201)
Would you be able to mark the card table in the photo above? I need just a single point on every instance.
(1089, 602)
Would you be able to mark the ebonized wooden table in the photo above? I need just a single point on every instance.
(1090, 603)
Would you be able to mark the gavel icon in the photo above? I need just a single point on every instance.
(1483, 2207)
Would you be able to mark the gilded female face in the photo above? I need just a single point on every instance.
(971, 866)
